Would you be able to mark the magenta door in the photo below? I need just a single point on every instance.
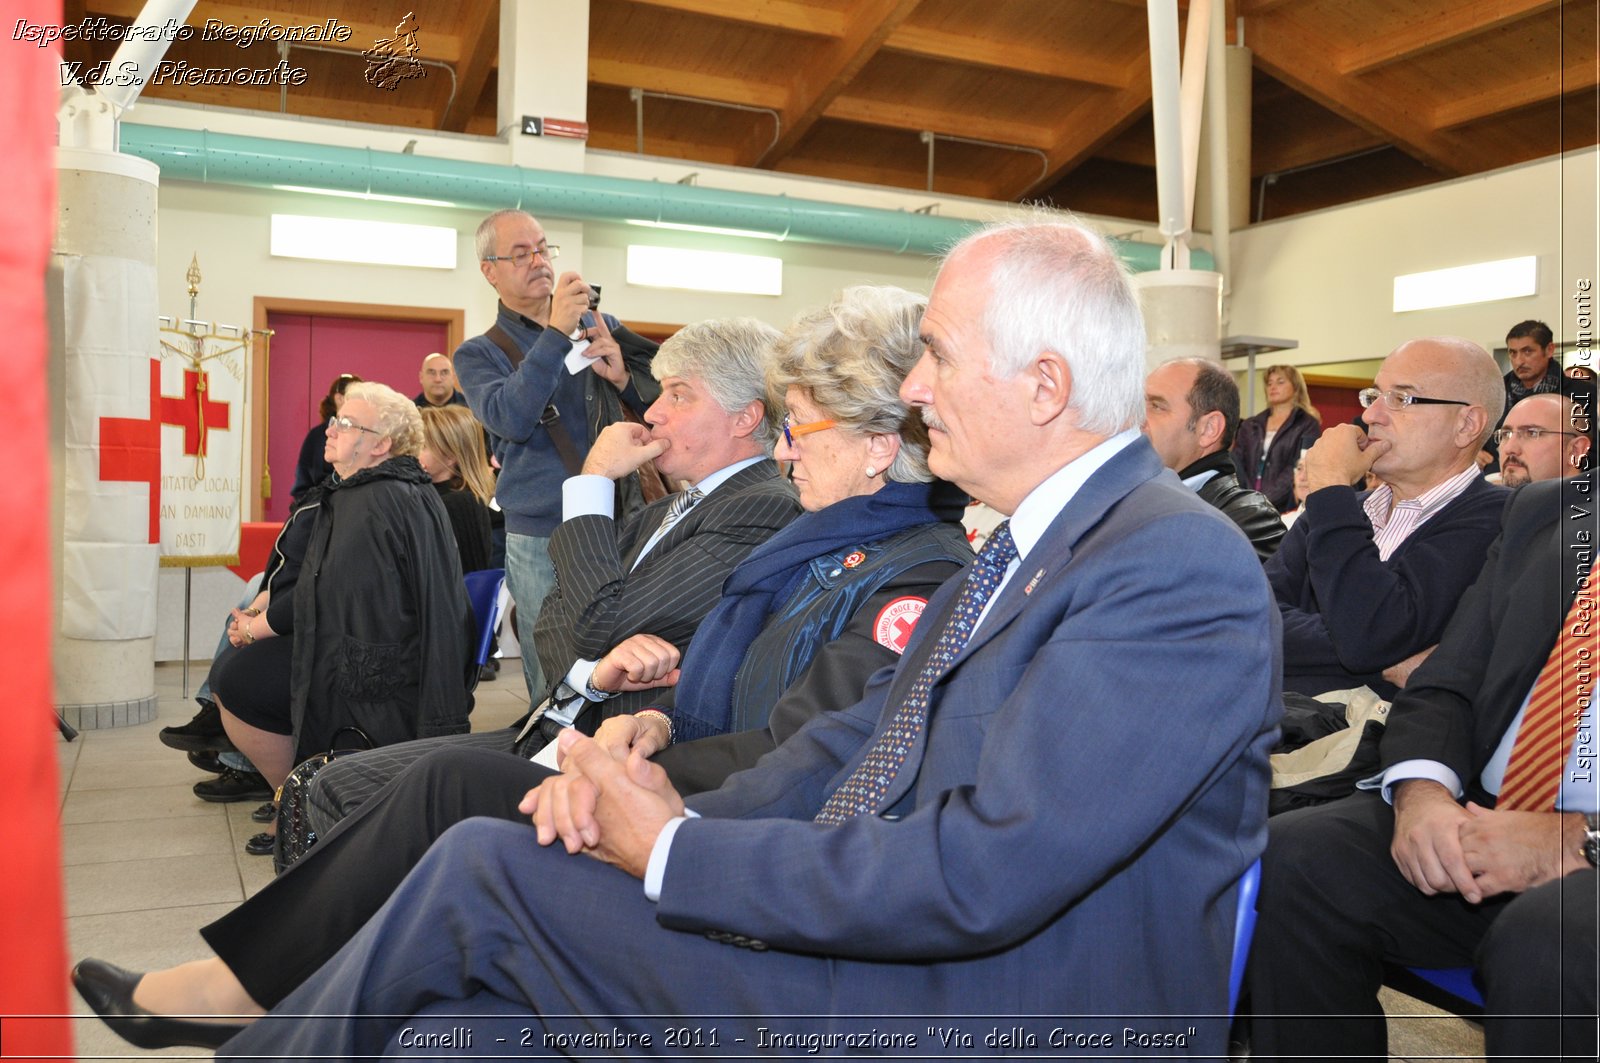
(308, 352)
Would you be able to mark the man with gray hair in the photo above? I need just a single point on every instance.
(1364, 581)
(1191, 411)
(530, 382)
(658, 571)
(990, 832)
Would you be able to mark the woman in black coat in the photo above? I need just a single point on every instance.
(1268, 445)
(452, 456)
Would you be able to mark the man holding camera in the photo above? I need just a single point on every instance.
(527, 379)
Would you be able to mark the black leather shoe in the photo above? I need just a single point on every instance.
(207, 760)
(233, 785)
(260, 844)
(108, 989)
(203, 732)
(266, 813)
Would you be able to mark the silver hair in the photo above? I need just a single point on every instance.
(1478, 376)
(1056, 285)
(398, 418)
(850, 358)
(483, 242)
(730, 358)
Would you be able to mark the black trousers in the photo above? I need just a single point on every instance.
(279, 937)
(1334, 908)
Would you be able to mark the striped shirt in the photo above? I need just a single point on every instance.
(1393, 522)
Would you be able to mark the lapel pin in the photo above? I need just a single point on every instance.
(1034, 582)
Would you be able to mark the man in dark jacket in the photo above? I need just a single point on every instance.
(1191, 408)
(1365, 580)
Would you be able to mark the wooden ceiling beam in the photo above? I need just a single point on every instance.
(915, 180)
(1005, 55)
(817, 85)
(1290, 52)
(953, 123)
(77, 50)
(431, 44)
(480, 28)
(1465, 20)
(1577, 76)
(629, 74)
(768, 14)
(1323, 147)
(1091, 125)
(435, 45)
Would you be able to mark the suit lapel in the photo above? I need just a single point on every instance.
(650, 518)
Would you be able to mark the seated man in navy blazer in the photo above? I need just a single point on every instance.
(1477, 842)
(1367, 579)
(1042, 809)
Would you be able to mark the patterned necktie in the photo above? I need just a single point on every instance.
(864, 790)
(680, 506)
(1544, 740)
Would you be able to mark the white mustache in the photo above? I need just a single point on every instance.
(932, 419)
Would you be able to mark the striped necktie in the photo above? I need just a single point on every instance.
(680, 506)
(864, 790)
(1544, 740)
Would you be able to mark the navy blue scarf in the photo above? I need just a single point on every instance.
(769, 574)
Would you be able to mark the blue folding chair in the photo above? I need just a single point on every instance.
(1244, 928)
(483, 589)
(1451, 988)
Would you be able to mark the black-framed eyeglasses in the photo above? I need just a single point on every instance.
(1528, 434)
(344, 424)
(550, 252)
(791, 430)
(1399, 400)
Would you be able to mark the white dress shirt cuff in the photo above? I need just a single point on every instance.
(656, 870)
(1413, 769)
(578, 677)
(587, 495)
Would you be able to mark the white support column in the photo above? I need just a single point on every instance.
(544, 71)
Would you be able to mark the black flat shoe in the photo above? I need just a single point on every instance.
(261, 844)
(266, 813)
(108, 989)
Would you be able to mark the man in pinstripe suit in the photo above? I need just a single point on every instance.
(655, 573)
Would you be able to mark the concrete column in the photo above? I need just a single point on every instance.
(1237, 66)
(101, 296)
(1182, 314)
(544, 71)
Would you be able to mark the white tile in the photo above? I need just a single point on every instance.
(147, 802)
(142, 839)
(159, 882)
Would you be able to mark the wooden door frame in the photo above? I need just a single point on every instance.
(454, 321)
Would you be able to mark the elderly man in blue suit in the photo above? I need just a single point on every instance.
(1042, 810)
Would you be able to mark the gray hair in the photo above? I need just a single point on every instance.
(850, 357)
(483, 242)
(1478, 376)
(398, 418)
(730, 358)
(1057, 285)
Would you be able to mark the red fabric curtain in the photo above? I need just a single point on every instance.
(33, 977)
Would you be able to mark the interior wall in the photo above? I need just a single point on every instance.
(1326, 278)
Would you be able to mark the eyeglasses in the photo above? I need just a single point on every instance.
(1399, 400)
(1528, 434)
(345, 424)
(551, 252)
(791, 430)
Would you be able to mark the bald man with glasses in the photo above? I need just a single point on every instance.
(1364, 580)
(1544, 436)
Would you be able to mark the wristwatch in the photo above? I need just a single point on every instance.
(1591, 838)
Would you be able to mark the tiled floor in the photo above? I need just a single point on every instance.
(147, 863)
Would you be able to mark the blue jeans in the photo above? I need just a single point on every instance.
(530, 577)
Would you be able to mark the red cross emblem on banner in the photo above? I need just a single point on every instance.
(130, 447)
(194, 412)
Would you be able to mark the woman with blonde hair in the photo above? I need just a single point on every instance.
(1268, 445)
(452, 456)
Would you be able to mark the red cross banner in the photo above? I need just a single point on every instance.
(199, 413)
(112, 458)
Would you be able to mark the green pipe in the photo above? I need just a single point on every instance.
(201, 155)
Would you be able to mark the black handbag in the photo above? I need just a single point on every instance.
(295, 834)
